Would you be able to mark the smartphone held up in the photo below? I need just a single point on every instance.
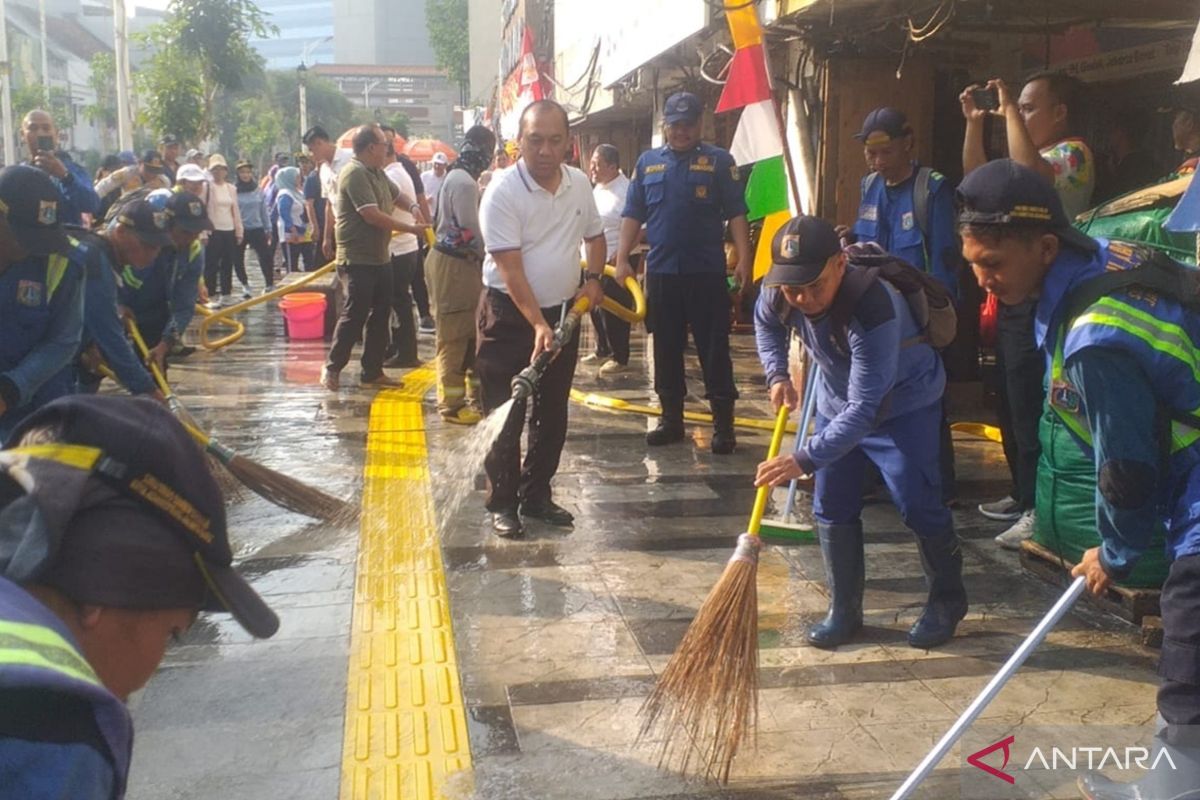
(985, 99)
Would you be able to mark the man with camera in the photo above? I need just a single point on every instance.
(1038, 126)
(77, 197)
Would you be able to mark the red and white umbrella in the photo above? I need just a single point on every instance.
(424, 149)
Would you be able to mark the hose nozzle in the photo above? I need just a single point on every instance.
(524, 382)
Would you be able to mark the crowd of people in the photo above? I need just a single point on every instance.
(485, 250)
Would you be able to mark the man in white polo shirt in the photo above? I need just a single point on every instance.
(533, 218)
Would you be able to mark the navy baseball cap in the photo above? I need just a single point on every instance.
(682, 107)
(800, 251)
(147, 222)
(1004, 193)
(882, 125)
(187, 211)
(120, 510)
(152, 161)
(168, 139)
(29, 200)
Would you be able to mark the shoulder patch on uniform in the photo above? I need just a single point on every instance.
(1122, 256)
(874, 307)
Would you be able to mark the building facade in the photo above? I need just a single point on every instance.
(423, 94)
(306, 30)
(380, 32)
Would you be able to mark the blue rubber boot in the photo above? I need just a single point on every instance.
(941, 557)
(842, 551)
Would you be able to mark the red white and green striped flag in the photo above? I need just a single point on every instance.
(757, 140)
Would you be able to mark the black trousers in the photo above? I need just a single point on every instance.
(1179, 665)
(420, 292)
(503, 348)
(674, 303)
(293, 252)
(612, 332)
(257, 239)
(368, 291)
(219, 256)
(404, 334)
(1022, 394)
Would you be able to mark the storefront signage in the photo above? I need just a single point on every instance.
(1168, 55)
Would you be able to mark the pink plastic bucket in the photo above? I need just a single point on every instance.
(305, 319)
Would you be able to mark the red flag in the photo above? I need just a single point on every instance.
(748, 81)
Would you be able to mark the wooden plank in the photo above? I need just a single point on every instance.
(1127, 603)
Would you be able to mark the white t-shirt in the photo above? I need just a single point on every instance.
(610, 202)
(432, 183)
(401, 243)
(329, 187)
(518, 214)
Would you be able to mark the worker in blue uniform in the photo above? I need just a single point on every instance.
(41, 295)
(133, 238)
(908, 210)
(684, 193)
(878, 400)
(1123, 380)
(162, 297)
(112, 539)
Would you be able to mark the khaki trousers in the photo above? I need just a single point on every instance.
(454, 288)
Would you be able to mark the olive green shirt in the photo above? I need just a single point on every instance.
(359, 242)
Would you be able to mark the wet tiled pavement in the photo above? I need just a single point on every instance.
(559, 636)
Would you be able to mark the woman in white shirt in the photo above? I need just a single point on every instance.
(221, 254)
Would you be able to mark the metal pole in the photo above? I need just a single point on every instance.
(6, 118)
(45, 42)
(992, 689)
(303, 107)
(121, 54)
(806, 411)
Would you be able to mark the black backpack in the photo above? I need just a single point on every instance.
(930, 302)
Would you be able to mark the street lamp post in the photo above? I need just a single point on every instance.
(367, 87)
(6, 120)
(302, 77)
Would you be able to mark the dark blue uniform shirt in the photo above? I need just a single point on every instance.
(684, 200)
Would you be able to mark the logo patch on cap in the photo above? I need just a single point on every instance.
(47, 212)
(789, 246)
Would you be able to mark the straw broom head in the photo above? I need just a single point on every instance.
(706, 700)
(286, 491)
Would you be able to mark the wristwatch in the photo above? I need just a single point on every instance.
(591, 276)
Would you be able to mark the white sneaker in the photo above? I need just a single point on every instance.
(591, 358)
(1005, 510)
(613, 367)
(246, 295)
(1021, 530)
(214, 301)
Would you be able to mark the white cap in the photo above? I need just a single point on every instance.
(191, 172)
(440, 158)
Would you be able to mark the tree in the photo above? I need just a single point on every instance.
(210, 38)
(33, 95)
(327, 106)
(450, 39)
(174, 93)
(103, 79)
(259, 130)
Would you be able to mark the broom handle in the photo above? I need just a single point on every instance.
(992, 689)
(806, 411)
(200, 436)
(760, 499)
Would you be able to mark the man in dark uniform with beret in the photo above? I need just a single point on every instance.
(684, 192)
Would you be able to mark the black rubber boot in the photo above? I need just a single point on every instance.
(670, 424)
(1174, 774)
(941, 558)
(724, 439)
(842, 551)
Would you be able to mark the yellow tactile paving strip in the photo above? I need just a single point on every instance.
(405, 723)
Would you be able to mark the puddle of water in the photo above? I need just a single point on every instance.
(456, 478)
